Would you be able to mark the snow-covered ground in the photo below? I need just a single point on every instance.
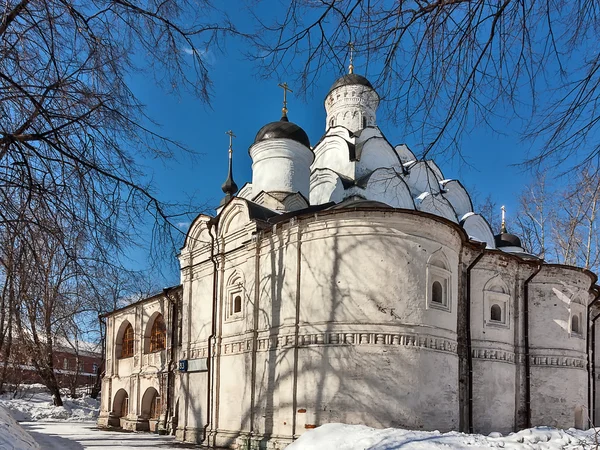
(34, 403)
(12, 436)
(337, 436)
(86, 436)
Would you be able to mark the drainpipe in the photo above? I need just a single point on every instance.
(171, 365)
(591, 348)
(469, 350)
(526, 345)
(213, 331)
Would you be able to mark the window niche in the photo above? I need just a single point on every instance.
(125, 341)
(234, 308)
(576, 327)
(157, 336)
(496, 303)
(438, 283)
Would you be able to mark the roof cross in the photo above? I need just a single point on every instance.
(285, 88)
(351, 66)
(503, 226)
(231, 136)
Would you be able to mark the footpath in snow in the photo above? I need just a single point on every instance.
(337, 436)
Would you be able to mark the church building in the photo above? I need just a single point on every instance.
(351, 282)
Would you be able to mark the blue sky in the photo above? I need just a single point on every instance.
(244, 103)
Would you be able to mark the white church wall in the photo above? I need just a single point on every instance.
(494, 387)
(280, 165)
(559, 366)
(493, 343)
(345, 304)
(596, 362)
(375, 383)
(351, 106)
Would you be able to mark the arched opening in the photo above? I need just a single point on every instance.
(158, 334)
(332, 122)
(237, 304)
(121, 403)
(235, 295)
(151, 404)
(437, 293)
(575, 324)
(127, 342)
(364, 121)
(496, 313)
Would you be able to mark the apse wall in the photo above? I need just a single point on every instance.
(559, 379)
(388, 354)
(495, 320)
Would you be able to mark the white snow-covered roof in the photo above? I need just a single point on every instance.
(366, 165)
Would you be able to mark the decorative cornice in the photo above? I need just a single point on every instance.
(561, 361)
(341, 339)
(493, 354)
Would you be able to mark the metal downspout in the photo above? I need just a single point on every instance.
(591, 345)
(468, 331)
(171, 364)
(213, 331)
(526, 345)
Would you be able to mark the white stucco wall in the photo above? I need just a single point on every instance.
(281, 165)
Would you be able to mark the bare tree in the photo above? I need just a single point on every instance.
(72, 194)
(536, 216)
(444, 65)
(71, 129)
(576, 230)
(490, 210)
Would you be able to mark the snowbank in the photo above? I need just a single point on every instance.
(12, 436)
(337, 436)
(36, 404)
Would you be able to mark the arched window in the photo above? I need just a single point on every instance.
(496, 313)
(332, 122)
(437, 293)
(575, 324)
(127, 343)
(237, 304)
(235, 296)
(364, 121)
(158, 334)
(438, 282)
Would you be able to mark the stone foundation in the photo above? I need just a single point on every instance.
(135, 424)
(108, 420)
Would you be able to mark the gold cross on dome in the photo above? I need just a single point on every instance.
(285, 88)
(351, 66)
(231, 136)
(503, 226)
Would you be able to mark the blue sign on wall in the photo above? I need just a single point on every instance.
(183, 365)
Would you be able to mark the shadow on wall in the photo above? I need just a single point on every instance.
(346, 391)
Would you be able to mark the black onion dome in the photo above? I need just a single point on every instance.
(229, 187)
(351, 79)
(283, 129)
(507, 240)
